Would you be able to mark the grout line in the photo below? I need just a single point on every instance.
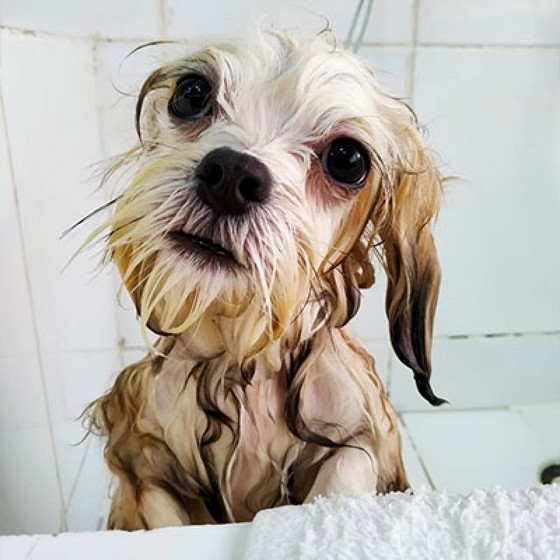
(162, 19)
(411, 74)
(473, 336)
(451, 409)
(512, 334)
(95, 65)
(33, 546)
(32, 304)
(162, 24)
(78, 476)
(493, 46)
(417, 454)
(385, 339)
(42, 34)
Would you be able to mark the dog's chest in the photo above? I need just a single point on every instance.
(236, 440)
(252, 445)
(257, 474)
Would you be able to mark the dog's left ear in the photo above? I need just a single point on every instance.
(411, 263)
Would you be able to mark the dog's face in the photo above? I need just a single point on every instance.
(265, 175)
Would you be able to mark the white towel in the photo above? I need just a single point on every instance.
(492, 524)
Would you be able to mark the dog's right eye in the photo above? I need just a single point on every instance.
(346, 162)
(192, 98)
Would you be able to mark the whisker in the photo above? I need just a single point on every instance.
(89, 216)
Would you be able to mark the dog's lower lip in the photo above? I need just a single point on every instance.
(196, 242)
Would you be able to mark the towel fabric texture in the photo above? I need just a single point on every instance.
(485, 524)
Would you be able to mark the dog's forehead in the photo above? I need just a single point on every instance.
(307, 84)
(305, 72)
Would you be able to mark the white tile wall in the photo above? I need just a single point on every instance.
(371, 321)
(29, 490)
(491, 116)
(107, 18)
(120, 72)
(416, 471)
(542, 421)
(51, 112)
(486, 373)
(25, 442)
(220, 18)
(89, 507)
(464, 450)
(19, 360)
(390, 22)
(529, 22)
(484, 78)
(390, 66)
(49, 94)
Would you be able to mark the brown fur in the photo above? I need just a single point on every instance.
(189, 454)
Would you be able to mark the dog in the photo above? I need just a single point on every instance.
(268, 176)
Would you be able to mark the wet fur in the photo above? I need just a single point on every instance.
(256, 395)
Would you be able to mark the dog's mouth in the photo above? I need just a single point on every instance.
(202, 246)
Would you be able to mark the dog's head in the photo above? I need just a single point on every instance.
(266, 175)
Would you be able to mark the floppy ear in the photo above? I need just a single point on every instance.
(411, 263)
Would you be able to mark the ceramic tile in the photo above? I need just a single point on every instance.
(132, 355)
(22, 402)
(494, 129)
(75, 309)
(467, 450)
(388, 21)
(371, 321)
(84, 377)
(89, 507)
(72, 312)
(486, 373)
(415, 469)
(543, 421)
(70, 452)
(236, 18)
(391, 22)
(128, 18)
(28, 483)
(15, 303)
(390, 66)
(499, 21)
(120, 73)
(184, 23)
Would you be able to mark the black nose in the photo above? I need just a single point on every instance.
(229, 181)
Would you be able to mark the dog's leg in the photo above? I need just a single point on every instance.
(134, 509)
(348, 471)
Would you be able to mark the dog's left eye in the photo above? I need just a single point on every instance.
(347, 162)
(192, 98)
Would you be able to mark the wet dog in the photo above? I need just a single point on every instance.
(267, 177)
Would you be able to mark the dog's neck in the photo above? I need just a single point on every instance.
(243, 343)
(192, 352)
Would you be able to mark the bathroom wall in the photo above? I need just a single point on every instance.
(483, 76)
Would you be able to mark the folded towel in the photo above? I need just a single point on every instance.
(492, 524)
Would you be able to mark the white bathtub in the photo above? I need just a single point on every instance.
(203, 542)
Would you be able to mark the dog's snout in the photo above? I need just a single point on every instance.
(229, 181)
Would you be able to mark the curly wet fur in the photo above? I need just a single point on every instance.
(256, 395)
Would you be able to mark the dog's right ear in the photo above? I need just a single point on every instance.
(411, 263)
